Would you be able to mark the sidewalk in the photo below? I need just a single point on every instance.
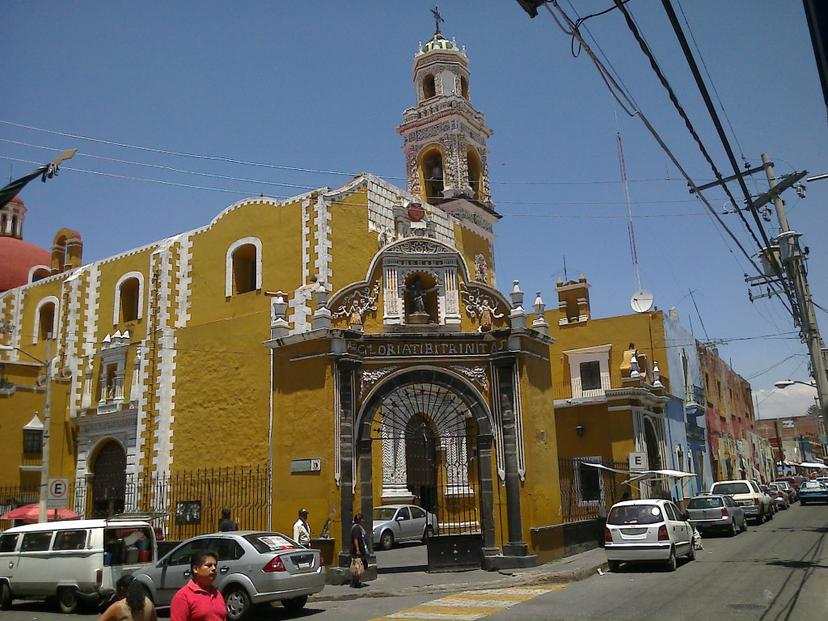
(395, 583)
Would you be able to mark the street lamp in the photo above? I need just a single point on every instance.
(790, 382)
(44, 468)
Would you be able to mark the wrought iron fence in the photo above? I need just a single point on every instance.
(587, 492)
(183, 504)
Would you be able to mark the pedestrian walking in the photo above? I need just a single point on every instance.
(132, 603)
(359, 552)
(199, 599)
(301, 529)
(227, 523)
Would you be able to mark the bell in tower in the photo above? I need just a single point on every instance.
(444, 137)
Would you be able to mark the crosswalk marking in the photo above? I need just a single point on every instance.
(471, 605)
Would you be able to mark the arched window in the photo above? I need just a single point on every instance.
(45, 321)
(475, 168)
(431, 168)
(129, 298)
(244, 266)
(429, 86)
(39, 272)
(464, 87)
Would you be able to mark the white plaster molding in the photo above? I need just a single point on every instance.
(324, 243)
(184, 281)
(116, 314)
(305, 216)
(576, 357)
(228, 266)
(50, 299)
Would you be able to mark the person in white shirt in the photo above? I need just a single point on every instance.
(301, 529)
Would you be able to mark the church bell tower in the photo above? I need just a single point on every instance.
(444, 136)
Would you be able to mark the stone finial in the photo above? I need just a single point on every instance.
(516, 294)
(657, 376)
(635, 372)
(540, 324)
(279, 327)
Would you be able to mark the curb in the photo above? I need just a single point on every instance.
(561, 577)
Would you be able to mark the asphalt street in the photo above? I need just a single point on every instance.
(773, 572)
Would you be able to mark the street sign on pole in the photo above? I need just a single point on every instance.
(57, 494)
(638, 461)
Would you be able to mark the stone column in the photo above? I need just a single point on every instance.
(484, 475)
(345, 370)
(516, 546)
(366, 490)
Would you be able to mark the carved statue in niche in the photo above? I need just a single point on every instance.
(481, 270)
(417, 293)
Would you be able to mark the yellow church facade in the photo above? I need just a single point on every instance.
(348, 343)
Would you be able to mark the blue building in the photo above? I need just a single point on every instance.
(685, 411)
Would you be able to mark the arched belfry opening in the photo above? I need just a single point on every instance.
(429, 86)
(475, 172)
(432, 172)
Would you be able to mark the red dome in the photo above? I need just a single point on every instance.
(17, 257)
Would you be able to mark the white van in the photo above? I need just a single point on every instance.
(76, 561)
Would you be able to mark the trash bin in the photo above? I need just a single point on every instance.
(326, 549)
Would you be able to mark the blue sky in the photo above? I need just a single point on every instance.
(322, 86)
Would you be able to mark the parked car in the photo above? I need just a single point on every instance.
(813, 491)
(790, 489)
(399, 523)
(755, 503)
(795, 481)
(75, 561)
(647, 530)
(716, 512)
(780, 496)
(254, 567)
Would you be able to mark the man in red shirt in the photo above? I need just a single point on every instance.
(199, 600)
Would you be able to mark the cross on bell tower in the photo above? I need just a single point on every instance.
(444, 136)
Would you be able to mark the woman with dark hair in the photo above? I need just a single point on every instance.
(132, 603)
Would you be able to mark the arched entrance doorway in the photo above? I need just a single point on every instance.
(653, 456)
(109, 480)
(428, 435)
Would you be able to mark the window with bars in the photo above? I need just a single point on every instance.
(32, 441)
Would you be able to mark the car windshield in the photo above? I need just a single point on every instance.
(635, 514)
(271, 542)
(711, 502)
(812, 485)
(382, 514)
(731, 488)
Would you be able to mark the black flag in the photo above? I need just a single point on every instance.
(47, 171)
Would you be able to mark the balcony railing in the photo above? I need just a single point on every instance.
(579, 393)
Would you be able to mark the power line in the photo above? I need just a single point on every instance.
(628, 105)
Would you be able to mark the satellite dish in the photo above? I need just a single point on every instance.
(641, 301)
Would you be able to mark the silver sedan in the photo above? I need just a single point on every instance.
(253, 568)
(716, 512)
(399, 523)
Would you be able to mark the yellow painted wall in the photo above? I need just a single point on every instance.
(353, 244)
(470, 244)
(303, 427)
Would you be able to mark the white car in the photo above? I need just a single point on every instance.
(399, 523)
(647, 530)
(756, 504)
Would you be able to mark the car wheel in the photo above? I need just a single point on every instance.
(614, 566)
(387, 540)
(770, 515)
(238, 603)
(68, 600)
(744, 525)
(5, 596)
(295, 604)
(733, 530)
(428, 533)
(691, 554)
(670, 565)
